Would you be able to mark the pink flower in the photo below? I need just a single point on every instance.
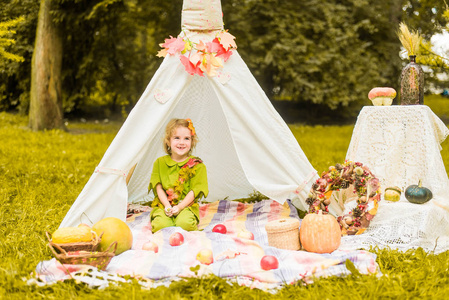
(322, 181)
(374, 183)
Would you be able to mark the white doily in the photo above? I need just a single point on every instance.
(401, 144)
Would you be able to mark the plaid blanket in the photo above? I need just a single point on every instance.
(234, 258)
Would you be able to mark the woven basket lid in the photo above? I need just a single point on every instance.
(201, 15)
(282, 225)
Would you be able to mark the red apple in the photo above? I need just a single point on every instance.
(269, 262)
(205, 256)
(245, 234)
(176, 239)
(220, 228)
(150, 246)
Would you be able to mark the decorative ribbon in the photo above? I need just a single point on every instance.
(303, 184)
(110, 171)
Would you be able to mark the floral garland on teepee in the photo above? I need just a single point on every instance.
(342, 176)
(199, 58)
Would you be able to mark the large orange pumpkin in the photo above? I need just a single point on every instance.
(320, 233)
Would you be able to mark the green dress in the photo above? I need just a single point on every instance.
(178, 179)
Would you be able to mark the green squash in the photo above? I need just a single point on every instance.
(418, 194)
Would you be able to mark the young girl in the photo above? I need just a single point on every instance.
(178, 179)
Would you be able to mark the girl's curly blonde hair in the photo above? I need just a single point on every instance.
(170, 130)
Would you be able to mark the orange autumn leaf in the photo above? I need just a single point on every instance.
(201, 46)
(227, 40)
(162, 53)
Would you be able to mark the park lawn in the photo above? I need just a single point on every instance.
(440, 105)
(41, 174)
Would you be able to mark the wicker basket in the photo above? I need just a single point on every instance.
(95, 259)
(283, 233)
(80, 246)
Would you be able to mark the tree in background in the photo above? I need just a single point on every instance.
(322, 52)
(428, 17)
(309, 55)
(15, 76)
(329, 53)
(108, 53)
(5, 41)
(111, 46)
(46, 67)
(425, 15)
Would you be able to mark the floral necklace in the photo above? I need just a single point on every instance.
(186, 173)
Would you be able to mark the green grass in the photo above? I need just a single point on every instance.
(42, 173)
(440, 105)
(323, 145)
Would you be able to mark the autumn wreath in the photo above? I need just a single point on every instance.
(359, 182)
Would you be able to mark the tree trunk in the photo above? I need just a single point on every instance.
(46, 65)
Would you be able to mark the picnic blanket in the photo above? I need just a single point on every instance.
(235, 258)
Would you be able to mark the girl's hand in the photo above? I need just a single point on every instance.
(175, 210)
(168, 211)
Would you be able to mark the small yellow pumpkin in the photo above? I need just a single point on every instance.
(320, 233)
(392, 194)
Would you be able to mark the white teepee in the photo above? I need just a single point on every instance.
(244, 143)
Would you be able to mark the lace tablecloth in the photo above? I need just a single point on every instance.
(401, 145)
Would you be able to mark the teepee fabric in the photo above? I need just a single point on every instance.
(243, 141)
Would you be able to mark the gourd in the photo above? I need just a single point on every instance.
(66, 235)
(392, 194)
(418, 194)
(113, 230)
(320, 233)
(382, 95)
